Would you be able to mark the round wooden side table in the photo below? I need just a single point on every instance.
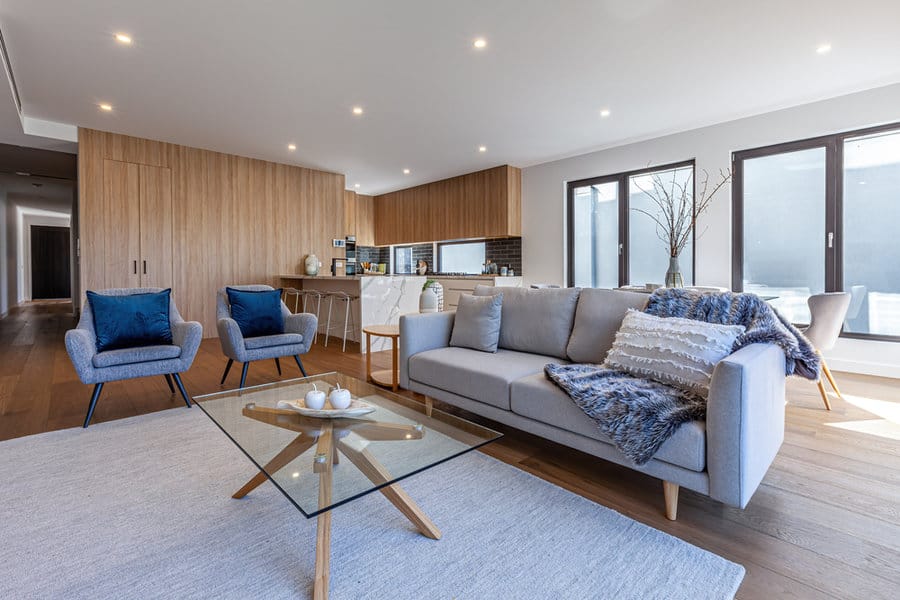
(387, 377)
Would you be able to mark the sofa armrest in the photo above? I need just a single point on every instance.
(303, 323)
(187, 335)
(82, 346)
(231, 338)
(419, 333)
(744, 421)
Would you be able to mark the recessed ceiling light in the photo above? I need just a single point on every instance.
(604, 113)
(862, 183)
(105, 106)
(123, 38)
(406, 171)
(23, 173)
(823, 49)
(292, 147)
(480, 43)
(356, 185)
(357, 110)
(482, 148)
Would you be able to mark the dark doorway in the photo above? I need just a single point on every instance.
(50, 276)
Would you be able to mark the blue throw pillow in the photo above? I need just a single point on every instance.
(131, 321)
(257, 313)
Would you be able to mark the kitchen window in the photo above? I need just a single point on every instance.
(403, 262)
(611, 245)
(821, 215)
(461, 257)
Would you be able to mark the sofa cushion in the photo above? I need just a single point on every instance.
(597, 318)
(127, 356)
(267, 341)
(537, 321)
(131, 320)
(678, 352)
(475, 375)
(538, 398)
(477, 323)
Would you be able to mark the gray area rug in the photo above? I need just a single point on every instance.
(141, 508)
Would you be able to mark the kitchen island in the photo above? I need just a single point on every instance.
(382, 299)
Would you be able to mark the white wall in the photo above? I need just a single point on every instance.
(543, 194)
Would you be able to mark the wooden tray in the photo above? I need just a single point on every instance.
(357, 408)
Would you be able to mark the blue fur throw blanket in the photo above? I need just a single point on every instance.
(639, 415)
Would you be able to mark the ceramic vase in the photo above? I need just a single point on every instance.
(428, 301)
(312, 265)
(673, 275)
(439, 292)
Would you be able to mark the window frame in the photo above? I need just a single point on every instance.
(834, 207)
(439, 257)
(624, 200)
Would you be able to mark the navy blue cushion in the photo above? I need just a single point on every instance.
(257, 313)
(131, 321)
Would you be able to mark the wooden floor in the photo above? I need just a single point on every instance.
(824, 524)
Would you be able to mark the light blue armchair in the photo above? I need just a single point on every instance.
(128, 363)
(299, 332)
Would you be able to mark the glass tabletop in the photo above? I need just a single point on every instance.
(321, 463)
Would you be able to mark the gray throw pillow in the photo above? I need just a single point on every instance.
(477, 322)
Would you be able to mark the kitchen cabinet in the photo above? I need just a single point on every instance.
(454, 287)
(477, 205)
(359, 218)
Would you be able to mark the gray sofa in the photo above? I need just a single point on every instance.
(725, 458)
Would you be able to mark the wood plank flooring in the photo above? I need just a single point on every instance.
(824, 524)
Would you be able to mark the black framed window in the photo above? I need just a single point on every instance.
(609, 244)
(820, 215)
(461, 257)
(403, 260)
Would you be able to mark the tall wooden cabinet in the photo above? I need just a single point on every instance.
(136, 222)
(359, 218)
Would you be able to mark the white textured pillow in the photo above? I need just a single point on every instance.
(675, 351)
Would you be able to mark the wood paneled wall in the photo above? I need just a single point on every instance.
(236, 220)
(359, 218)
(477, 205)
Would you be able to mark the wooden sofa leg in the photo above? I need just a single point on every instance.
(429, 405)
(670, 491)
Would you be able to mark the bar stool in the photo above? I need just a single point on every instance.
(347, 299)
(316, 296)
(289, 292)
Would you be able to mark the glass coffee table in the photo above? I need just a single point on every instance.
(321, 463)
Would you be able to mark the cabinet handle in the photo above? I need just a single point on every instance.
(135, 267)
(145, 267)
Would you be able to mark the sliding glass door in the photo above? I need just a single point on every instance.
(822, 215)
(610, 242)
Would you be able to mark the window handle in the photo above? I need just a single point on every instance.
(831, 239)
(145, 267)
(621, 249)
(134, 266)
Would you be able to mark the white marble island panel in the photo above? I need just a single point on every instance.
(382, 299)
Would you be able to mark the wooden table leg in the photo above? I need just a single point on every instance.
(301, 444)
(323, 465)
(368, 357)
(395, 364)
(378, 474)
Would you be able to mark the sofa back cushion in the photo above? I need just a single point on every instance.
(536, 321)
(599, 314)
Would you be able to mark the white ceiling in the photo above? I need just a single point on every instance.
(251, 77)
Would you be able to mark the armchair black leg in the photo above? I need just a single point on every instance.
(180, 385)
(94, 397)
(227, 368)
(300, 364)
(278, 366)
(244, 374)
(169, 381)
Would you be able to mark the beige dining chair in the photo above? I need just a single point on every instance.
(827, 314)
